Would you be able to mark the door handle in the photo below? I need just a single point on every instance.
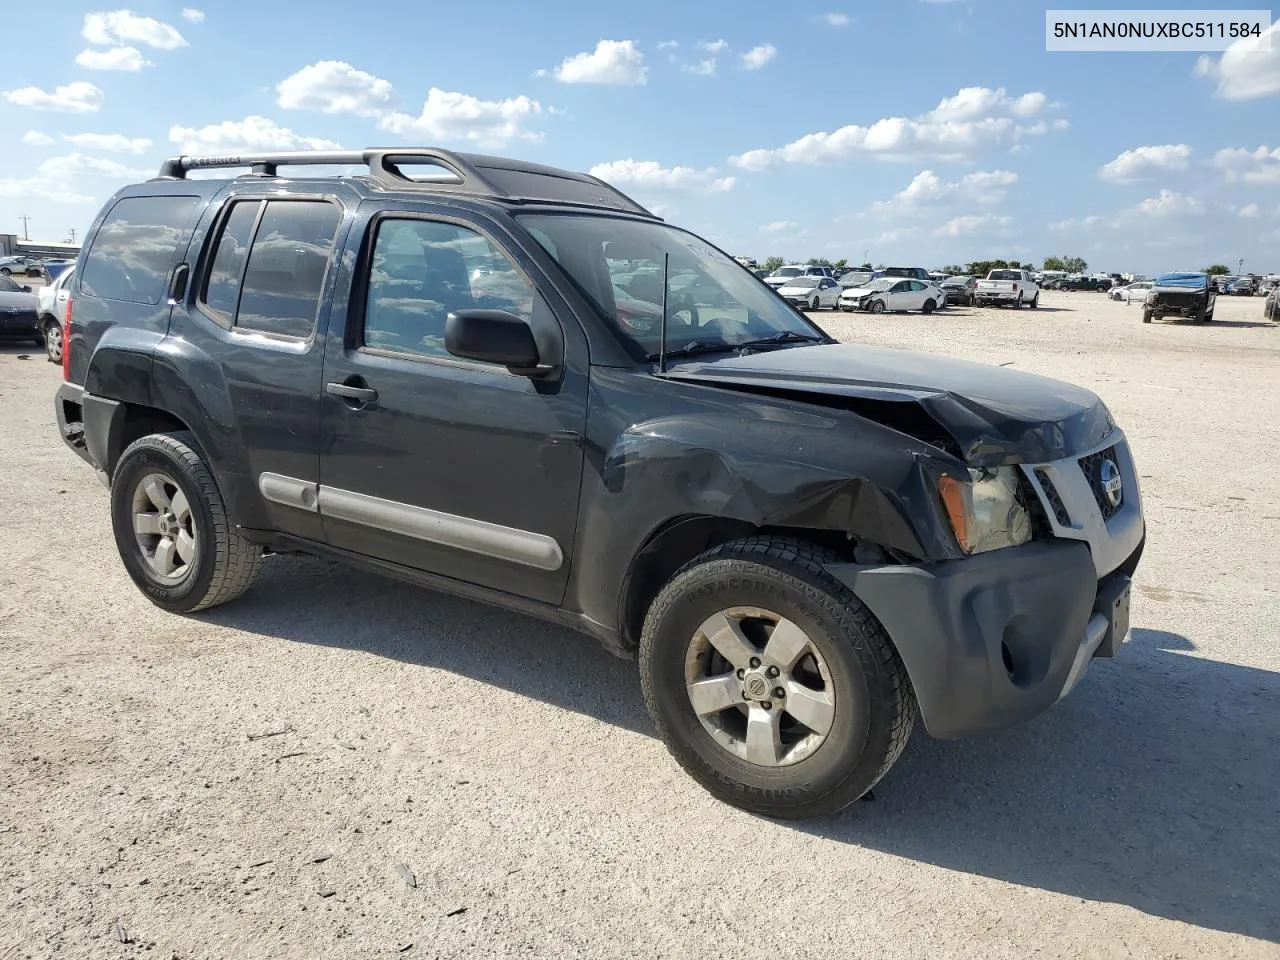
(352, 391)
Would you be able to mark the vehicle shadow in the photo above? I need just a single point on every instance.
(1153, 785)
(17, 348)
(1243, 324)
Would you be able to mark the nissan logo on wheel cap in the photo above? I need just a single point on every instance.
(1112, 482)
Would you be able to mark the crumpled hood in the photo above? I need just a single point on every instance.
(994, 414)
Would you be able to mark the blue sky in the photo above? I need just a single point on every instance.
(916, 132)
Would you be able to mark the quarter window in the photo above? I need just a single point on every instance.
(423, 270)
(140, 239)
(222, 287)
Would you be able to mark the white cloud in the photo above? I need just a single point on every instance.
(897, 235)
(1247, 69)
(1251, 166)
(192, 15)
(1169, 203)
(333, 86)
(757, 57)
(73, 165)
(448, 115)
(669, 45)
(778, 226)
(72, 179)
(110, 142)
(1249, 211)
(1061, 124)
(703, 68)
(713, 46)
(958, 126)
(615, 62)
(125, 27)
(650, 173)
(1029, 104)
(253, 133)
(76, 97)
(1142, 162)
(927, 191)
(129, 59)
(1081, 223)
(34, 138)
(971, 224)
(833, 19)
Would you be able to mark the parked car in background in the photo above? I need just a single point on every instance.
(784, 274)
(21, 266)
(52, 269)
(1134, 291)
(51, 310)
(1242, 287)
(1007, 288)
(856, 278)
(915, 273)
(893, 295)
(811, 293)
(1223, 281)
(1190, 296)
(18, 318)
(960, 289)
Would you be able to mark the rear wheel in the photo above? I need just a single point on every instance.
(1035, 301)
(53, 340)
(929, 307)
(1146, 316)
(171, 526)
(770, 683)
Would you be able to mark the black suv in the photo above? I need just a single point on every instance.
(514, 383)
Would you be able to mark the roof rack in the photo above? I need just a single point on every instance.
(493, 177)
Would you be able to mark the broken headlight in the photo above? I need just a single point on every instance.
(985, 509)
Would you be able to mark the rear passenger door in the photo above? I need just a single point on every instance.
(252, 327)
(454, 467)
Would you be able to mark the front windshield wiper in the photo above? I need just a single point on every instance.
(697, 346)
(786, 336)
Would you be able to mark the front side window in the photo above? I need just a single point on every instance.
(140, 239)
(628, 268)
(423, 270)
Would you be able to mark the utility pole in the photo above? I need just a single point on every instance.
(73, 235)
(1240, 267)
(24, 218)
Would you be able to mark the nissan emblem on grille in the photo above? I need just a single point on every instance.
(1112, 483)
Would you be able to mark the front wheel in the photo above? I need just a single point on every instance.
(816, 305)
(770, 682)
(1146, 316)
(877, 306)
(172, 529)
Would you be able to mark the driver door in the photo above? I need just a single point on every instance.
(898, 296)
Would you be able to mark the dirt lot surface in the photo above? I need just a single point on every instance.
(507, 766)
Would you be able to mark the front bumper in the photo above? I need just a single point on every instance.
(992, 640)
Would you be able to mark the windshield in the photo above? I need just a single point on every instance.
(618, 264)
(881, 283)
(787, 272)
(803, 282)
(8, 286)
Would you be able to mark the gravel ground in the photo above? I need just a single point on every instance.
(506, 768)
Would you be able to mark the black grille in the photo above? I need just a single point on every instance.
(1055, 501)
(1092, 467)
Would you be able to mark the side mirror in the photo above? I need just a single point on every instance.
(26, 288)
(493, 336)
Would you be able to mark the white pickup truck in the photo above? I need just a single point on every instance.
(1007, 288)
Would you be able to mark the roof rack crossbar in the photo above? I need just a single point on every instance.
(383, 163)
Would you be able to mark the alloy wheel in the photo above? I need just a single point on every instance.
(164, 527)
(759, 686)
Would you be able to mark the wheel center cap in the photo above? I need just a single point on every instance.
(756, 686)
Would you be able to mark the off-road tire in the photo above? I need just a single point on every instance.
(875, 704)
(225, 562)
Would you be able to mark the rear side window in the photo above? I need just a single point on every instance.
(269, 266)
(140, 239)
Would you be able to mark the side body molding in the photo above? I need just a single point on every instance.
(463, 533)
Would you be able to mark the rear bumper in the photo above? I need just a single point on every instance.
(994, 295)
(991, 641)
(86, 424)
(14, 325)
